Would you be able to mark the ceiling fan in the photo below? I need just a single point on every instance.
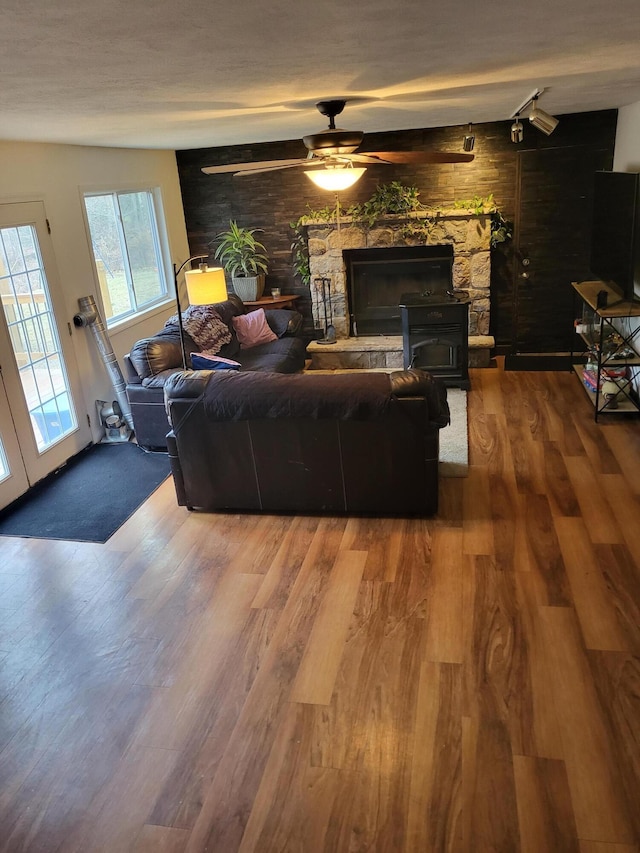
(332, 154)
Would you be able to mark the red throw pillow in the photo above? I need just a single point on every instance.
(252, 329)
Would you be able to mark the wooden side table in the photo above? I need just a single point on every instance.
(284, 301)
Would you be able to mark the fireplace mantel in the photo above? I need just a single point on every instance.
(469, 234)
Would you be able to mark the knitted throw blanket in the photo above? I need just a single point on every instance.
(204, 325)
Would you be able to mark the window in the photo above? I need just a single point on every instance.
(126, 248)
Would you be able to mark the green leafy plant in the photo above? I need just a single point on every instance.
(300, 252)
(478, 204)
(388, 199)
(420, 229)
(239, 252)
(501, 229)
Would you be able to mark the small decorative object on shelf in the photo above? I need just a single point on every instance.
(612, 367)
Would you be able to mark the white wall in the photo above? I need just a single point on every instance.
(57, 175)
(626, 157)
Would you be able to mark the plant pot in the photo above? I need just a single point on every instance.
(248, 288)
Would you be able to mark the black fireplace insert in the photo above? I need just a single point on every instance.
(377, 279)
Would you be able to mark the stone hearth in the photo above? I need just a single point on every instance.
(467, 232)
(382, 351)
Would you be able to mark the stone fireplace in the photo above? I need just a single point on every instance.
(465, 234)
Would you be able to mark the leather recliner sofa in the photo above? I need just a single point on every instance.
(153, 360)
(362, 443)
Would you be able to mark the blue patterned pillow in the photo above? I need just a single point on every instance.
(202, 361)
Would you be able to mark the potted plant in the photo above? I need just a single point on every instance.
(245, 260)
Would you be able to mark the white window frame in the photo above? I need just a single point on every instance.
(161, 247)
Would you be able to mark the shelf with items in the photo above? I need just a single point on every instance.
(612, 355)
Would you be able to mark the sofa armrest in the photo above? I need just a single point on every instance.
(185, 385)
(131, 374)
(418, 383)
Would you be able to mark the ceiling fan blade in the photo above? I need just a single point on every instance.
(416, 157)
(237, 168)
(260, 169)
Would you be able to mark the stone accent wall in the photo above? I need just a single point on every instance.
(469, 234)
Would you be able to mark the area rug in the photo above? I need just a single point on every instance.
(90, 497)
(454, 439)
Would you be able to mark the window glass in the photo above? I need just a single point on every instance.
(126, 249)
(34, 337)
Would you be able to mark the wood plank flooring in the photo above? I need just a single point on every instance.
(234, 682)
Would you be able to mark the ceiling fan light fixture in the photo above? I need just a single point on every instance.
(335, 178)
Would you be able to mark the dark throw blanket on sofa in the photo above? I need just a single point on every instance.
(242, 397)
(233, 396)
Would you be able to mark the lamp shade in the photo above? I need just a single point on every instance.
(335, 179)
(206, 286)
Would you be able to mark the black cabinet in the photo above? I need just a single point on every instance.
(612, 336)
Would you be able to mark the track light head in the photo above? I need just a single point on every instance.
(469, 140)
(517, 131)
(542, 120)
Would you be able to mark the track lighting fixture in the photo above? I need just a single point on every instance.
(540, 119)
(469, 139)
(517, 131)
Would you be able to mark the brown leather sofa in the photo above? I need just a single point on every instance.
(153, 360)
(362, 443)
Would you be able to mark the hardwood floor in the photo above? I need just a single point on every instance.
(242, 683)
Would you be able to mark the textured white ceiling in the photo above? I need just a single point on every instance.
(163, 74)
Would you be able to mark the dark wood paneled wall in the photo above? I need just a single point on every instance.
(271, 201)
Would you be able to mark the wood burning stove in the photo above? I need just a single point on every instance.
(435, 336)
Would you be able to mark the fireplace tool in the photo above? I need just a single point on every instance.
(322, 287)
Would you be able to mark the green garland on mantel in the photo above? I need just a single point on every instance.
(392, 199)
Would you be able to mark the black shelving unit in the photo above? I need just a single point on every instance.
(614, 353)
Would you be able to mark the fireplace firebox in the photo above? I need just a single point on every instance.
(435, 336)
(377, 279)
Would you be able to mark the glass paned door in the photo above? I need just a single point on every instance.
(34, 338)
(13, 476)
(39, 370)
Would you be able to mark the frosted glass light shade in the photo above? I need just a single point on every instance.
(334, 179)
(206, 286)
